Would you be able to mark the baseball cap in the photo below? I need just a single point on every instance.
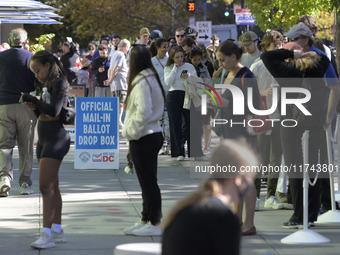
(156, 34)
(247, 38)
(190, 31)
(144, 31)
(298, 30)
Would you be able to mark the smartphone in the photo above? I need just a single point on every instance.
(184, 72)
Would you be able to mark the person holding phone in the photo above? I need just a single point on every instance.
(178, 75)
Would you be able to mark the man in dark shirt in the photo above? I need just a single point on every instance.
(17, 121)
(100, 67)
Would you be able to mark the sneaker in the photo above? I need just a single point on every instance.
(310, 225)
(168, 150)
(282, 197)
(162, 151)
(138, 225)
(273, 203)
(3, 194)
(25, 189)
(5, 184)
(288, 206)
(292, 225)
(257, 205)
(148, 230)
(44, 241)
(58, 237)
(180, 158)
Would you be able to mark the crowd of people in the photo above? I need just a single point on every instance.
(159, 84)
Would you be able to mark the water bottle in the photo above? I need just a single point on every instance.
(46, 96)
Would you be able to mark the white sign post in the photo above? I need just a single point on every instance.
(204, 29)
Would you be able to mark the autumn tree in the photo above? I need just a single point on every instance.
(93, 18)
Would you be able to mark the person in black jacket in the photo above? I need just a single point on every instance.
(69, 61)
(308, 65)
(53, 143)
(100, 67)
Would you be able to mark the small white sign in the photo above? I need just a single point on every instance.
(243, 17)
(204, 29)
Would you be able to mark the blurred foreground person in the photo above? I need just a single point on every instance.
(203, 223)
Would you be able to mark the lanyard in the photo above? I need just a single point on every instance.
(160, 62)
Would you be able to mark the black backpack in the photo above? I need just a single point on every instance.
(317, 105)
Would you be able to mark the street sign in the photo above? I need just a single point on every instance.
(243, 17)
(204, 29)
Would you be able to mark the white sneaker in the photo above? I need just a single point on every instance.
(58, 237)
(257, 205)
(180, 158)
(25, 189)
(273, 203)
(44, 241)
(138, 225)
(5, 184)
(3, 194)
(148, 230)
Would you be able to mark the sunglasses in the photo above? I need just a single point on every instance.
(179, 36)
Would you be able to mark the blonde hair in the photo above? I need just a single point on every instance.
(307, 60)
(230, 152)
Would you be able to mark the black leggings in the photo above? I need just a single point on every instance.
(54, 142)
(144, 153)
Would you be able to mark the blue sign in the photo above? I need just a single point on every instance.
(96, 123)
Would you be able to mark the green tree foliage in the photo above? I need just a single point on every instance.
(271, 14)
(42, 41)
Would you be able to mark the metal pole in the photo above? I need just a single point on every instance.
(305, 139)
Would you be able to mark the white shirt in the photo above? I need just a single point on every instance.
(172, 76)
(159, 65)
(145, 107)
(265, 80)
(119, 81)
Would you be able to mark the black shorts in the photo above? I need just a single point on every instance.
(53, 140)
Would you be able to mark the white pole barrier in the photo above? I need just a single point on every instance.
(337, 143)
(305, 235)
(332, 216)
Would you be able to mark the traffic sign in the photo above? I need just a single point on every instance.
(204, 29)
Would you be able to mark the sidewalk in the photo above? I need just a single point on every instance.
(98, 204)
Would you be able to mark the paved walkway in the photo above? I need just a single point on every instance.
(98, 204)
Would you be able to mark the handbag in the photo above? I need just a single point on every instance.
(67, 114)
(259, 123)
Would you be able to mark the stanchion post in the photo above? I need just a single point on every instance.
(305, 235)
